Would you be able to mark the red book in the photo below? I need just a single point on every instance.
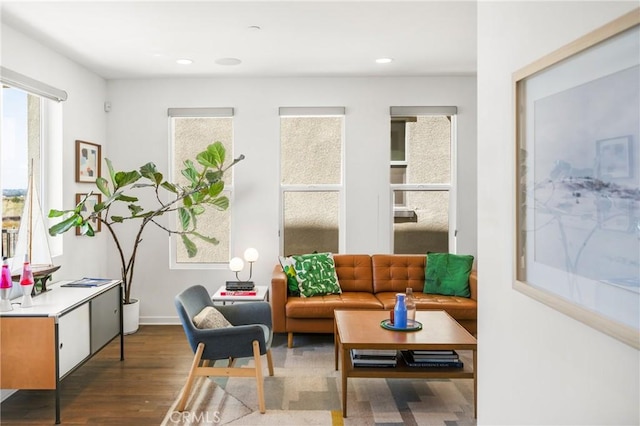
(239, 293)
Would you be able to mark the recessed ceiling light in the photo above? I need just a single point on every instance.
(228, 61)
(184, 61)
(383, 60)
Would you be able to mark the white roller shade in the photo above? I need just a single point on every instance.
(310, 111)
(200, 112)
(28, 84)
(412, 111)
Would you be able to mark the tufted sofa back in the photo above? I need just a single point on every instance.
(354, 272)
(397, 272)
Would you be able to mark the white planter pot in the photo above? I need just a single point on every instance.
(131, 316)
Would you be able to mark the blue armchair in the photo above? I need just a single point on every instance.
(250, 336)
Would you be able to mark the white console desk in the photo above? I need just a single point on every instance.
(64, 328)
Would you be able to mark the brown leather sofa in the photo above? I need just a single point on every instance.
(367, 282)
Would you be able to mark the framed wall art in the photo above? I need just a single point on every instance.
(577, 210)
(92, 200)
(88, 161)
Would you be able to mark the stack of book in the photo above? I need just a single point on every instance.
(374, 357)
(239, 286)
(432, 358)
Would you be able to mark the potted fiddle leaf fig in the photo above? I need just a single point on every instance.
(121, 190)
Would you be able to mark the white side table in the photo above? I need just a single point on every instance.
(262, 295)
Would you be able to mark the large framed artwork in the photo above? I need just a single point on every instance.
(88, 160)
(577, 212)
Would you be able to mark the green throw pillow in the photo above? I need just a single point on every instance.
(288, 267)
(448, 274)
(316, 274)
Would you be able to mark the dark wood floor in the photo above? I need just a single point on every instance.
(106, 391)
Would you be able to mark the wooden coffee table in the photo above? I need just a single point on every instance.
(361, 330)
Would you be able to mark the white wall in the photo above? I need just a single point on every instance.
(84, 119)
(138, 132)
(536, 365)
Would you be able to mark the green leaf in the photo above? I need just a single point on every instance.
(192, 250)
(117, 219)
(191, 174)
(87, 229)
(134, 209)
(57, 213)
(197, 210)
(185, 217)
(103, 186)
(210, 240)
(126, 198)
(169, 187)
(62, 227)
(216, 188)
(149, 170)
(213, 157)
(213, 176)
(222, 203)
(187, 201)
(90, 232)
(126, 178)
(112, 173)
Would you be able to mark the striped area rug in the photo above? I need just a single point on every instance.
(305, 389)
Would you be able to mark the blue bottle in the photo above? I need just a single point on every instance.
(400, 312)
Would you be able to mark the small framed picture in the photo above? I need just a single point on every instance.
(88, 160)
(88, 207)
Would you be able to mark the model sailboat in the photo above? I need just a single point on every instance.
(33, 242)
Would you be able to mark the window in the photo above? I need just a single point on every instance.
(192, 130)
(311, 162)
(31, 142)
(421, 176)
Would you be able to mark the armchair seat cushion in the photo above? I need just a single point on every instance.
(323, 306)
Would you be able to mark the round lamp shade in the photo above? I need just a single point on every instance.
(251, 255)
(236, 264)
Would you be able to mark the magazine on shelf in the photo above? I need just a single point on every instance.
(434, 357)
(88, 282)
(367, 358)
(374, 353)
(409, 360)
(434, 352)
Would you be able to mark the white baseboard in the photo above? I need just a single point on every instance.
(159, 321)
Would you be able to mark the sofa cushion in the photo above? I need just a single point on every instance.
(288, 267)
(448, 274)
(323, 306)
(460, 308)
(316, 274)
(210, 317)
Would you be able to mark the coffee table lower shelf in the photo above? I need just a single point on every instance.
(349, 334)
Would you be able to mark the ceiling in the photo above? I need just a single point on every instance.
(126, 39)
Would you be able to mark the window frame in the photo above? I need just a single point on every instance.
(50, 167)
(451, 187)
(307, 112)
(229, 189)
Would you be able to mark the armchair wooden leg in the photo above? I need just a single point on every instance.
(270, 362)
(259, 378)
(191, 377)
(290, 340)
